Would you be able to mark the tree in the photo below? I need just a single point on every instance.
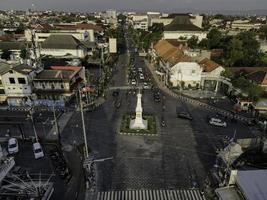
(214, 38)
(234, 53)
(23, 53)
(204, 43)
(263, 30)
(227, 73)
(6, 54)
(192, 42)
(250, 47)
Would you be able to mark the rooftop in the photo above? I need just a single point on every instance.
(208, 65)
(23, 69)
(253, 184)
(61, 42)
(181, 23)
(170, 53)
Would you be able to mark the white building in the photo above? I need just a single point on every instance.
(182, 28)
(4, 68)
(112, 45)
(140, 22)
(63, 46)
(187, 73)
(18, 84)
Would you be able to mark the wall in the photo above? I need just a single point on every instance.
(188, 72)
(186, 34)
(17, 89)
(62, 52)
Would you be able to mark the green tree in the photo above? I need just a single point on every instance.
(263, 31)
(251, 48)
(234, 53)
(214, 38)
(227, 73)
(192, 42)
(204, 43)
(23, 53)
(6, 54)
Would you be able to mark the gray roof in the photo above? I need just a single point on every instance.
(55, 75)
(23, 69)
(12, 45)
(89, 44)
(181, 23)
(61, 42)
(228, 193)
(4, 67)
(253, 184)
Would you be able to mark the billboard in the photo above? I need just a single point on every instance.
(112, 45)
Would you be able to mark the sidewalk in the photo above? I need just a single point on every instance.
(62, 122)
(184, 98)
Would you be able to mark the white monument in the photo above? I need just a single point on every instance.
(138, 122)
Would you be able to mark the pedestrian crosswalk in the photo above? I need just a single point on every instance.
(186, 194)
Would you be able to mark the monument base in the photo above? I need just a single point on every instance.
(138, 125)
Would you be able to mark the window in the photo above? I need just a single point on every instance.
(193, 71)
(11, 80)
(62, 86)
(0, 82)
(21, 80)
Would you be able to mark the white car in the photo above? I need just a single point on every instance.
(145, 86)
(37, 150)
(13, 146)
(133, 82)
(217, 122)
(142, 76)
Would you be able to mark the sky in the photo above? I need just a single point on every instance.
(134, 5)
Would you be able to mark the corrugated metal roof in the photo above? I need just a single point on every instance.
(253, 184)
(190, 194)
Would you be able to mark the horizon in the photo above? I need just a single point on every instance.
(216, 6)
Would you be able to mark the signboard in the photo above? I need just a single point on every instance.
(112, 45)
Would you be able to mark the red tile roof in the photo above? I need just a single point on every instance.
(66, 68)
(208, 65)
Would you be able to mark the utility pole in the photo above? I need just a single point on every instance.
(56, 124)
(83, 125)
(33, 126)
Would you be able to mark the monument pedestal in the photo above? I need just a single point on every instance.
(138, 122)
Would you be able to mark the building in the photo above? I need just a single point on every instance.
(57, 46)
(186, 74)
(245, 185)
(112, 45)
(18, 84)
(14, 47)
(182, 28)
(81, 31)
(244, 25)
(4, 68)
(211, 74)
(58, 82)
(140, 21)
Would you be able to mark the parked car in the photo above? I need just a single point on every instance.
(13, 146)
(133, 82)
(145, 85)
(142, 76)
(184, 115)
(217, 122)
(37, 150)
(115, 93)
(162, 122)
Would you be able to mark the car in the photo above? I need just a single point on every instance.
(133, 82)
(142, 76)
(145, 85)
(184, 115)
(217, 122)
(37, 150)
(115, 93)
(140, 69)
(13, 146)
(162, 122)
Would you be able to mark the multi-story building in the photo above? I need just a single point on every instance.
(58, 82)
(18, 84)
